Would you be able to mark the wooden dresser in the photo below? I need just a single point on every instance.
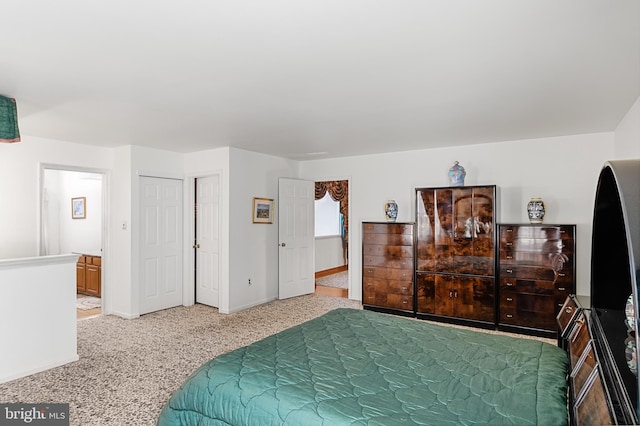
(455, 261)
(387, 266)
(536, 268)
(89, 275)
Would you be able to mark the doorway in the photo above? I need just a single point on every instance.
(72, 206)
(332, 238)
(206, 245)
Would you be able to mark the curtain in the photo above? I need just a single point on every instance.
(338, 191)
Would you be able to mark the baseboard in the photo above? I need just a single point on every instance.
(123, 315)
(45, 367)
(332, 271)
(250, 305)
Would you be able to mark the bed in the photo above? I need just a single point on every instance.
(357, 367)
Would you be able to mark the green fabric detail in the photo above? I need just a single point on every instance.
(8, 120)
(354, 367)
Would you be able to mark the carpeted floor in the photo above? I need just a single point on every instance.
(339, 280)
(128, 369)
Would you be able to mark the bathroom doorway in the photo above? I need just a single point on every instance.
(72, 221)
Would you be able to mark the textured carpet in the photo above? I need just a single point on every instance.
(339, 280)
(128, 369)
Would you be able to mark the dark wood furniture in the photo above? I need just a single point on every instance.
(387, 266)
(602, 337)
(589, 401)
(536, 273)
(455, 262)
(89, 275)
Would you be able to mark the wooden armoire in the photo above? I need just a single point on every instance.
(455, 261)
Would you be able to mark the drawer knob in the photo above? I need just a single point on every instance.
(560, 274)
(509, 230)
(509, 284)
(509, 299)
(509, 244)
(509, 316)
(561, 289)
(509, 257)
(509, 271)
(569, 310)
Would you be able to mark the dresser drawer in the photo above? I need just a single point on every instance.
(377, 285)
(394, 301)
(388, 251)
(388, 228)
(549, 260)
(528, 310)
(403, 263)
(552, 232)
(527, 272)
(388, 273)
(533, 245)
(388, 239)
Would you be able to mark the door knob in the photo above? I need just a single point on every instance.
(283, 244)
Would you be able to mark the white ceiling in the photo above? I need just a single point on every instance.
(310, 79)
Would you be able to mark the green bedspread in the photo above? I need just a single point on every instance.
(354, 367)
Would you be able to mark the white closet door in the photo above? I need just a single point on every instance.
(160, 244)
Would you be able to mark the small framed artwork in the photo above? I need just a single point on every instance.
(262, 210)
(79, 208)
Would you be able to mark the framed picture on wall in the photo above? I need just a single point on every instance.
(262, 210)
(79, 208)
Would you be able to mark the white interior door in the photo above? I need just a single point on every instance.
(160, 268)
(296, 270)
(207, 245)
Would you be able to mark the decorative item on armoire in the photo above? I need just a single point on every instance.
(456, 175)
(535, 210)
(391, 211)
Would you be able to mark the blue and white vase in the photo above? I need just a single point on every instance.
(456, 175)
(391, 211)
(535, 210)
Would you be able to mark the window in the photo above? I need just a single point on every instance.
(327, 217)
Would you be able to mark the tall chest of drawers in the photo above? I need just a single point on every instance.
(536, 269)
(387, 266)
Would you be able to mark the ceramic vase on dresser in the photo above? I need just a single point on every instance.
(535, 210)
(391, 211)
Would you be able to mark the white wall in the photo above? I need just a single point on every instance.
(627, 134)
(253, 248)
(329, 253)
(37, 314)
(63, 234)
(19, 186)
(562, 170)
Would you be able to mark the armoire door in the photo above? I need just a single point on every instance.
(160, 252)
